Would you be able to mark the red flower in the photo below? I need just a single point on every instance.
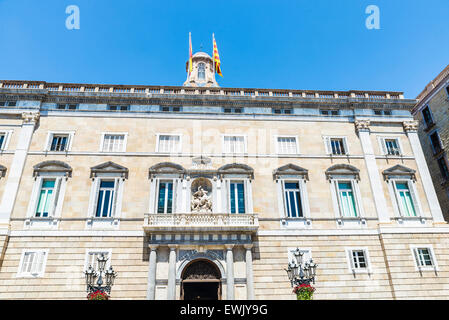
(98, 295)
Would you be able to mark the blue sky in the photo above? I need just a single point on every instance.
(293, 44)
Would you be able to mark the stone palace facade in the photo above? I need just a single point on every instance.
(201, 191)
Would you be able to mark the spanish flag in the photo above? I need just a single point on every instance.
(190, 66)
(216, 58)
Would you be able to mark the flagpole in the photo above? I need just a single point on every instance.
(213, 53)
(188, 65)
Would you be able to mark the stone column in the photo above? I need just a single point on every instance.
(249, 272)
(362, 128)
(229, 273)
(30, 120)
(151, 291)
(411, 128)
(171, 290)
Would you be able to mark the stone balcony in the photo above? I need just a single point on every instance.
(202, 222)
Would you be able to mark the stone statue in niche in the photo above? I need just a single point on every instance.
(201, 201)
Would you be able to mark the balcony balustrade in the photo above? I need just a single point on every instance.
(201, 222)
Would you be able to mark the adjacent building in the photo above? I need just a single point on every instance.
(201, 191)
(432, 113)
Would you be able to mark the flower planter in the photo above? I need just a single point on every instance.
(304, 292)
(98, 295)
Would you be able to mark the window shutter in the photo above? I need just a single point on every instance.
(94, 195)
(413, 194)
(383, 146)
(48, 142)
(114, 197)
(175, 196)
(358, 204)
(39, 182)
(345, 145)
(55, 196)
(27, 259)
(398, 200)
(327, 145)
(337, 193)
(40, 262)
(351, 259)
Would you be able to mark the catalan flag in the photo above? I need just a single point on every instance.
(216, 59)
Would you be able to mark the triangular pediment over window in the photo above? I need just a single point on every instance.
(2, 171)
(399, 171)
(166, 168)
(342, 170)
(236, 168)
(290, 170)
(52, 166)
(109, 168)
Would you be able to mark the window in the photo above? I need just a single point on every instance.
(424, 257)
(118, 108)
(382, 112)
(281, 110)
(59, 143)
(234, 144)
(336, 146)
(435, 142)
(4, 139)
(233, 110)
(427, 116)
(292, 199)
(329, 112)
(32, 263)
(9, 103)
(237, 197)
(358, 259)
(292, 195)
(67, 106)
(169, 143)
(442, 164)
(114, 142)
(201, 71)
(170, 108)
(391, 146)
(92, 258)
(105, 202)
(165, 197)
(105, 199)
(404, 198)
(346, 199)
(447, 90)
(287, 145)
(46, 197)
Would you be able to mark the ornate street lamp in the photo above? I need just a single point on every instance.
(91, 275)
(299, 272)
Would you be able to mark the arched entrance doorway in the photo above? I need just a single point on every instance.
(200, 280)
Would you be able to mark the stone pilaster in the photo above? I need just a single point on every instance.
(30, 120)
(151, 291)
(249, 272)
(411, 128)
(363, 131)
(229, 273)
(171, 289)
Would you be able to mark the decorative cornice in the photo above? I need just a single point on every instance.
(411, 126)
(362, 125)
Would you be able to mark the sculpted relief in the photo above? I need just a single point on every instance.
(201, 202)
